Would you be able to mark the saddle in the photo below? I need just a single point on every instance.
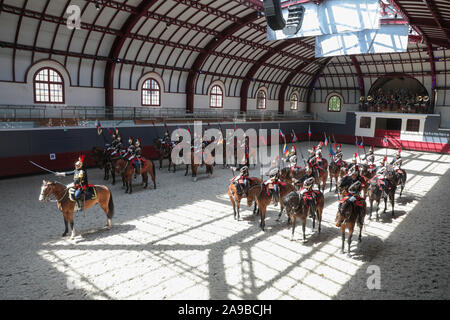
(295, 168)
(88, 194)
(359, 200)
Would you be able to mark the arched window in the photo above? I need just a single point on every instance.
(261, 100)
(334, 104)
(48, 86)
(294, 101)
(151, 93)
(216, 99)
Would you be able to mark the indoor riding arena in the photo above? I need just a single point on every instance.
(167, 149)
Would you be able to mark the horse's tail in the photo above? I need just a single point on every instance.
(110, 206)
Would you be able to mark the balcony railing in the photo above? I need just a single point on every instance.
(76, 114)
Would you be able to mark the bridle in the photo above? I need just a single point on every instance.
(46, 198)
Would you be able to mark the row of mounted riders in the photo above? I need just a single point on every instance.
(114, 158)
(293, 188)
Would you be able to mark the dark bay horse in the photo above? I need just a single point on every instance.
(297, 207)
(347, 220)
(375, 193)
(235, 198)
(164, 152)
(104, 161)
(259, 194)
(288, 175)
(66, 206)
(127, 171)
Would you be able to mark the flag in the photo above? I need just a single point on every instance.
(356, 142)
(282, 134)
(332, 153)
(235, 127)
(294, 137)
(165, 126)
(285, 150)
(361, 145)
(309, 131)
(99, 128)
(326, 141)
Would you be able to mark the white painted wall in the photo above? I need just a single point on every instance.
(322, 113)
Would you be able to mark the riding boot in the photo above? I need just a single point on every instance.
(238, 188)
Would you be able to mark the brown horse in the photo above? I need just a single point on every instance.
(288, 175)
(336, 172)
(259, 194)
(297, 207)
(127, 170)
(347, 220)
(194, 168)
(66, 206)
(321, 176)
(164, 152)
(235, 198)
(375, 193)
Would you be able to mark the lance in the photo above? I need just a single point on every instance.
(357, 149)
(40, 167)
(301, 153)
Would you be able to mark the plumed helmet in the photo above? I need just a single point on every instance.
(293, 150)
(382, 170)
(244, 169)
(354, 157)
(119, 137)
(352, 171)
(80, 161)
(274, 172)
(138, 142)
(130, 140)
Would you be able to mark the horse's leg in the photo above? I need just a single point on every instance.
(319, 218)
(351, 227)
(255, 209)
(281, 210)
(160, 162)
(145, 179)
(294, 219)
(263, 217)
(187, 169)
(331, 181)
(233, 204)
(343, 236)
(314, 219)
(304, 227)
(371, 208)
(392, 202)
(378, 207)
(238, 206)
(72, 226)
(113, 174)
(66, 226)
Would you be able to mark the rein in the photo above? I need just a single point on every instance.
(64, 195)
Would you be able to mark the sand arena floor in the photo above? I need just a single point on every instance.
(180, 241)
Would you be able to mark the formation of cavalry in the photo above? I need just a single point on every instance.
(289, 185)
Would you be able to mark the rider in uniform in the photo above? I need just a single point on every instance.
(243, 175)
(397, 161)
(308, 194)
(137, 155)
(352, 198)
(292, 159)
(129, 155)
(80, 181)
(274, 193)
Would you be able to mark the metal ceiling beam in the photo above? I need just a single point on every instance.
(208, 50)
(252, 71)
(129, 24)
(437, 17)
(313, 83)
(286, 83)
(359, 74)
(433, 76)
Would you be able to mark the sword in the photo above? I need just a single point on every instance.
(41, 167)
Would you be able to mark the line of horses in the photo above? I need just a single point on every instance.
(296, 205)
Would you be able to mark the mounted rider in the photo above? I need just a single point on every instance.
(369, 157)
(242, 180)
(381, 179)
(130, 154)
(137, 160)
(118, 146)
(397, 161)
(352, 198)
(350, 178)
(292, 159)
(272, 185)
(309, 196)
(80, 181)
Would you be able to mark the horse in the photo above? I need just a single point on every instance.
(367, 171)
(296, 207)
(164, 152)
(335, 171)
(399, 179)
(321, 176)
(66, 206)
(235, 198)
(104, 161)
(258, 193)
(375, 193)
(347, 220)
(127, 170)
(194, 168)
(288, 175)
